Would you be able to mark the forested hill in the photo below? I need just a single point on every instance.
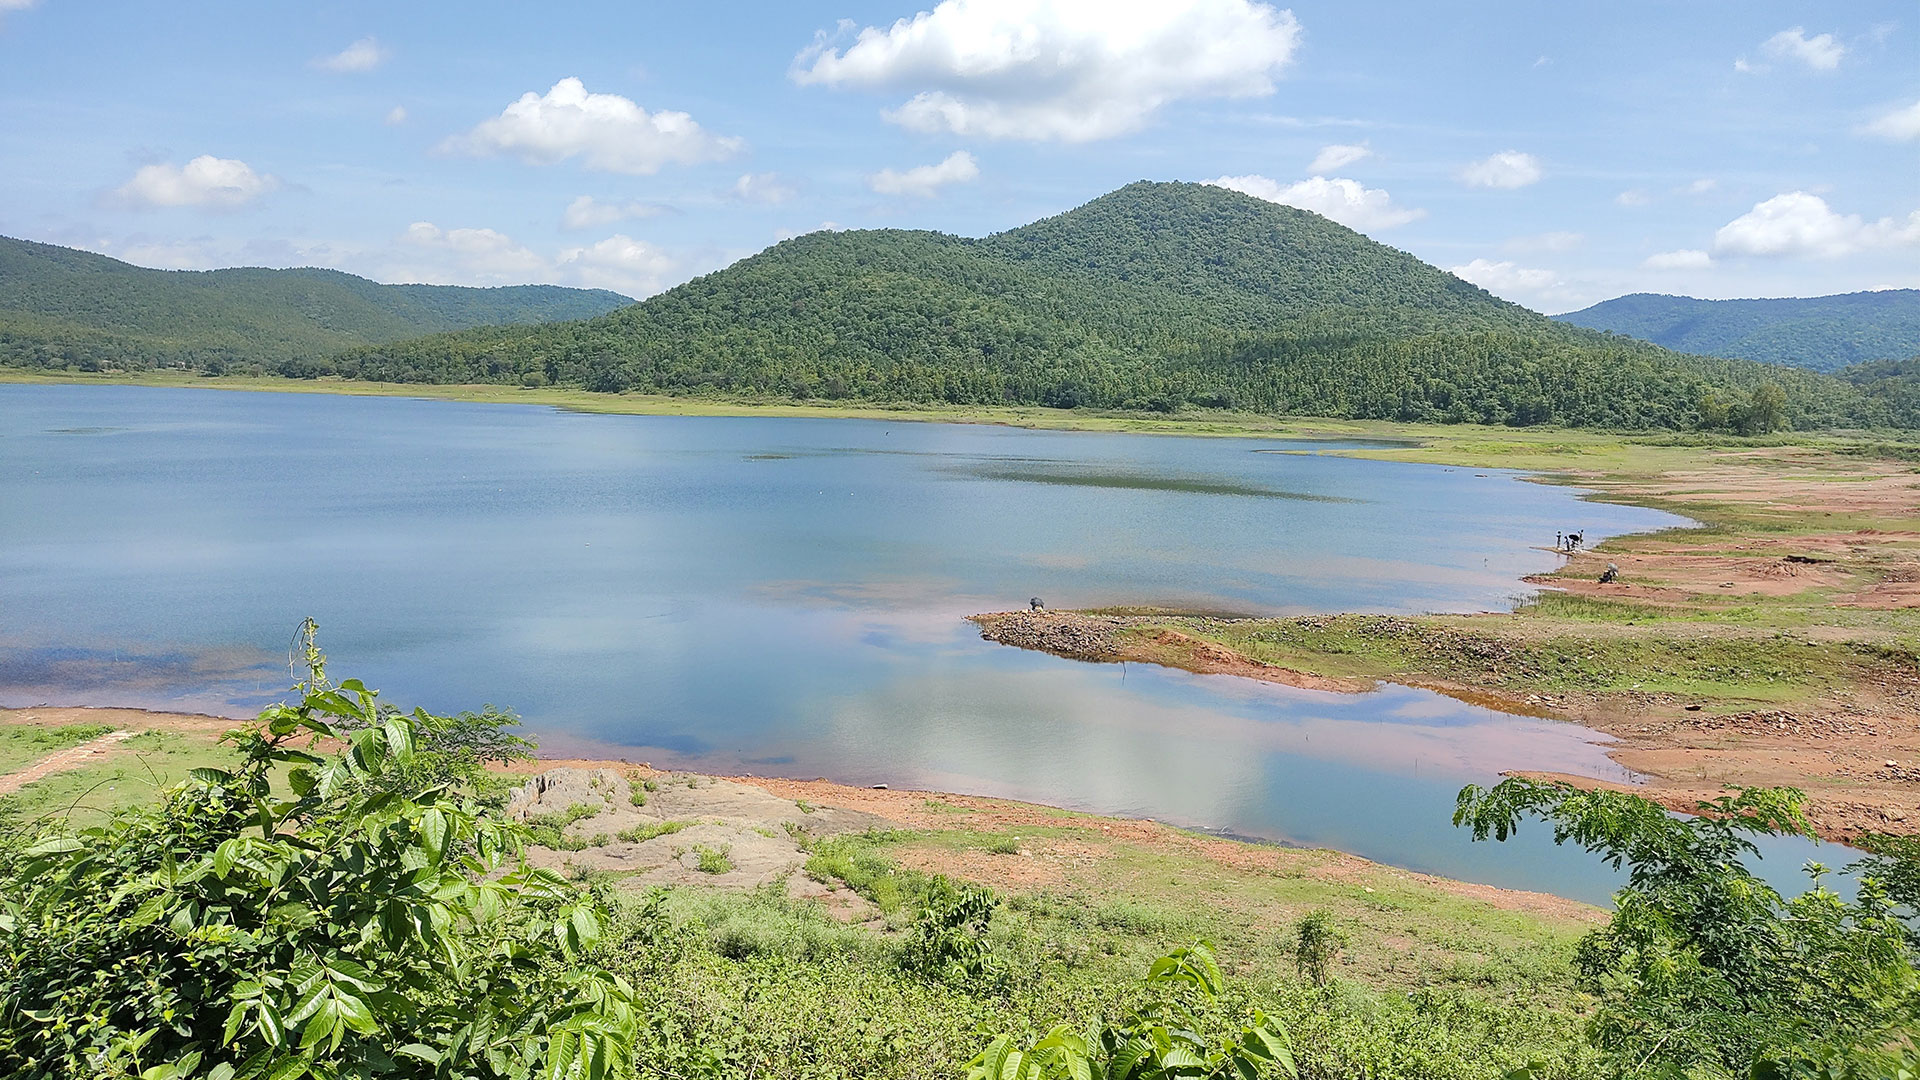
(1823, 333)
(60, 307)
(1156, 296)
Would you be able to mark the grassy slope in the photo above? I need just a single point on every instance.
(1428, 985)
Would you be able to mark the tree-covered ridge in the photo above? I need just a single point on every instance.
(1823, 333)
(1155, 296)
(60, 307)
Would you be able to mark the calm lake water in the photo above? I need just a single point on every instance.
(785, 596)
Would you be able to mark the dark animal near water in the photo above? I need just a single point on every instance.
(1037, 604)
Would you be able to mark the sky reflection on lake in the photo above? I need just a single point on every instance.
(782, 595)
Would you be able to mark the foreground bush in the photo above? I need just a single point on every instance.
(1705, 970)
(353, 914)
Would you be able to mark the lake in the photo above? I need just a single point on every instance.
(786, 596)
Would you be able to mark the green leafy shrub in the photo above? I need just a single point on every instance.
(1317, 944)
(949, 940)
(303, 916)
(1167, 1037)
(1705, 969)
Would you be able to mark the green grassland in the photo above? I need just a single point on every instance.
(26, 744)
(1427, 984)
(133, 774)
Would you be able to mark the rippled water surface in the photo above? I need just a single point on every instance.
(783, 595)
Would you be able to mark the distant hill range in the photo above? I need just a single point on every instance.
(60, 307)
(1821, 333)
(1158, 296)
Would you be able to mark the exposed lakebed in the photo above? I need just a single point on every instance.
(785, 596)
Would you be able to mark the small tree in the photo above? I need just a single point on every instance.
(1705, 969)
(354, 914)
(1716, 413)
(1765, 411)
(949, 940)
(1316, 946)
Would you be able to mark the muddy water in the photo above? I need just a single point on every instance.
(782, 596)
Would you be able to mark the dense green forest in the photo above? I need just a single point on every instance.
(1154, 297)
(1821, 333)
(67, 309)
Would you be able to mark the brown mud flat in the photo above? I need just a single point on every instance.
(1806, 543)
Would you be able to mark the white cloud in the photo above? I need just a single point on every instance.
(1345, 201)
(471, 256)
(204, 181)
(474, 254)
(586, 212)
(1547, 241)
(1821, 53)
(169, 254)
(620, 263)
(1800, 223)
(363, 55)
(926, 180)
(1900, 125)
(788, 234)
(1506, 169)
(606, 131)
(396, 116)
(1633, 197)
(763, 187)
(1684, 259)
(1700, 186)
(1338, 156)
(1073, 70)
(1507, 278)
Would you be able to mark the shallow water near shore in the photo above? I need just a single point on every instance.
(786, 596)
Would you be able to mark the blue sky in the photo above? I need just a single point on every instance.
(1557, 153)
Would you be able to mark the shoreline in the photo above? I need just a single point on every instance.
(1772, 645)
(900, 807)
(1803, 545)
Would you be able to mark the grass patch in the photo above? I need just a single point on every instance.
(550, 830)
(136, 774)
(713, 860)
(23, 744)
(1589, 647)
(640, 834)
(857, 862)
